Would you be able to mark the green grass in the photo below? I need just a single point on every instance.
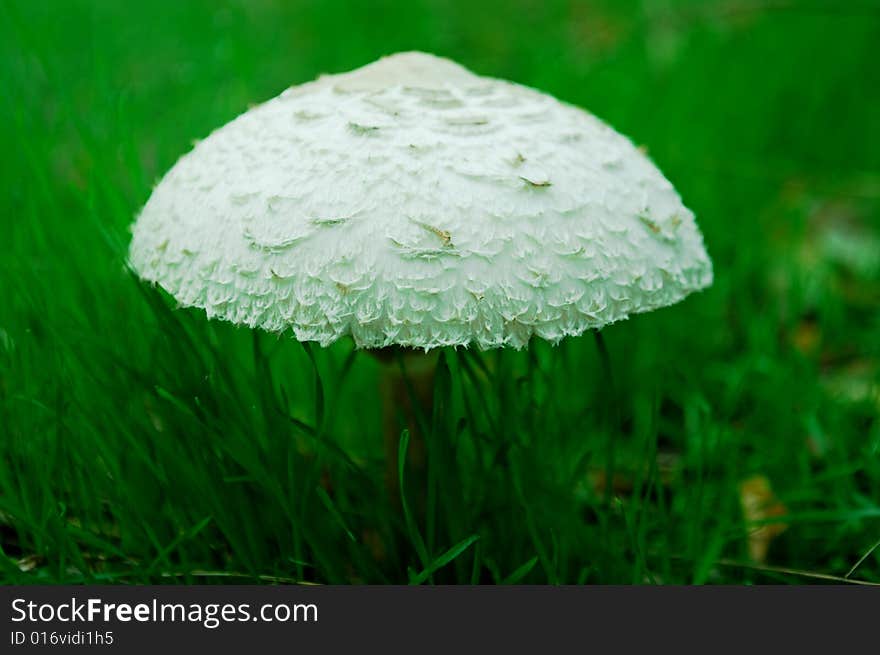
(142, 443)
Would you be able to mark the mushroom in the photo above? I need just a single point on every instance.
(413, 204)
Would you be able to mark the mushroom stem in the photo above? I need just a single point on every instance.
(407, 386)
(611, 416)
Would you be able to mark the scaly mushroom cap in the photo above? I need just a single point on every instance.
(412, 202)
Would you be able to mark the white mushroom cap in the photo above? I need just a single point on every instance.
(413, 202)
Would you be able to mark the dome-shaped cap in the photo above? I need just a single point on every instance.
(412, 202)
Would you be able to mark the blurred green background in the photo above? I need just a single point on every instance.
(142, 443)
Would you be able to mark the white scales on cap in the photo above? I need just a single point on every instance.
(412, 202)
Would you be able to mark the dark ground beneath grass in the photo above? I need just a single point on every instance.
(141, 443)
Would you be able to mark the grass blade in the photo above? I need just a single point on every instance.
(444, 559)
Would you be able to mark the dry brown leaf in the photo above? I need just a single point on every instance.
(806, 337)
(759, 504)
(375, 544)
(29, 562)
(623, 481)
